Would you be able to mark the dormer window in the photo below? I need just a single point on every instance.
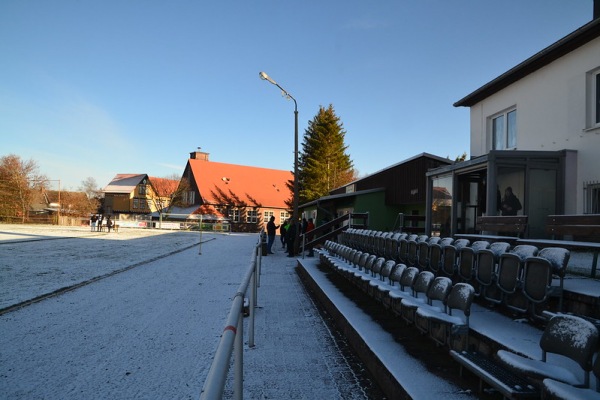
(142, 188)
(504, 130)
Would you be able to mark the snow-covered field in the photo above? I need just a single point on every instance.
(146, 332)
(138, 315)
(66, 256)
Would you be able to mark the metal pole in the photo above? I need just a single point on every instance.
(251, 306)
(200, 244)
(215, 380)
(295, 161)
(259, 266)
(59, 204)
(238, 363)
(284, 92)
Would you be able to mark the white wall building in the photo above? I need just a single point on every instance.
(535, 128)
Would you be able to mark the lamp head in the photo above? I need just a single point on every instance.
(265, 77)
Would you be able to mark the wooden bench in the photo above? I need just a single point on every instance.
(503, 224)
(580, 227)
(498, 225)
(103, 228)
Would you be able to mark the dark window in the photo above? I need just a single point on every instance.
(597, 99)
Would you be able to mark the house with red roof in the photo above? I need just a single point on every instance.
(248, 196)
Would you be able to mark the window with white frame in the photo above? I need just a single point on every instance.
(252, 216)
(235, 215)
(597, 98)
(592, 197)
(268, 214)
(189, 197)
(283, 216)
(136, 204)
(504, 130)
(593, 99)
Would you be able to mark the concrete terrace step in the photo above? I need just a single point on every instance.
(390, 349)
(404, 363)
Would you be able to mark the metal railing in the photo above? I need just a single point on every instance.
(233, 334)
(333, 228)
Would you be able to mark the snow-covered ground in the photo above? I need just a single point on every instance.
(139, 313)
(148, 332)
(36, 260)
(148, 324)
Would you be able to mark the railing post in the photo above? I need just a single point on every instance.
(238, 373)
(232, 339)
(251, 307)
(259, 266)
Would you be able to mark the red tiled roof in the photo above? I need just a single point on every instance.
(267, 186)
(164, 185)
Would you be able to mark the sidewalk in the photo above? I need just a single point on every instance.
(296, 354)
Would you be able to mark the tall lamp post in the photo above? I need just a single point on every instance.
(285, 93)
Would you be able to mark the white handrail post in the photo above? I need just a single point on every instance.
(238, 363)
(251, 307)
(259, 265)
(232, 339)
(200, 244)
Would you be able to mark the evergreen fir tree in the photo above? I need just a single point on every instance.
(323, 163)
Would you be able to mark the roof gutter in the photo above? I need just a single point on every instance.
(574, 40)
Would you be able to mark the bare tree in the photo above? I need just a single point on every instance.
(78, 204)
(167, 190)
(18, 179)
(89, 186)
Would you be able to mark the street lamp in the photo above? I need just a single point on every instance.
(284, 92)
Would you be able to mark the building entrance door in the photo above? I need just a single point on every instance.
(471, 200)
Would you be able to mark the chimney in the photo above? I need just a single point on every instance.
(199, 155)
(596, 9)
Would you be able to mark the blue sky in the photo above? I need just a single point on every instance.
(97, 88)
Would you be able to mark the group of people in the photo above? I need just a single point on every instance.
(288, 232)
(96, 223)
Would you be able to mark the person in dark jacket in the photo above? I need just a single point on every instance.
(283, 233)
(510, 203)
(291, 238)
(271, 232)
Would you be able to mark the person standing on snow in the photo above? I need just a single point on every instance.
(291, 238)
(283, 233)
(271, 231)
